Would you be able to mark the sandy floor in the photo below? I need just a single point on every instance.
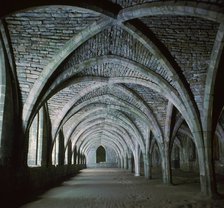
(114, 188)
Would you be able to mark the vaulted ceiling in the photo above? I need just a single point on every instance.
(111, 69)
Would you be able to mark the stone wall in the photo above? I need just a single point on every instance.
(38, 34)
(111, 159)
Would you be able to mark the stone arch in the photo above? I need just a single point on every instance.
(166, 92)
(68, 110)
(126, 141)
(100, 154)
(153, 147)
(95, 137)
(71, 45)
(85, 138)
(92, 107)
(175, 129)
(196, 133)
(9, 102)
(164, 86)
(2, 86)
(105, 143)
(187, 8)
(131, 128)
(115, 131)
(88, 145)
(220, 132)
(99, 60)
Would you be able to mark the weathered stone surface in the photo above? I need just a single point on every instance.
(128, 3)
(138, 80)
(37, 35)
(154, 100)
(190, 41)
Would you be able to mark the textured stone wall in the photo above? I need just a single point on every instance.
(156, 102)
(115, 76)
(128, 3)
(190, 41)
(111, 158)
(37, 35)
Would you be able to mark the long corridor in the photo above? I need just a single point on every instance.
(116, 188)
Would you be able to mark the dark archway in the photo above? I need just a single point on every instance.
(100, 154)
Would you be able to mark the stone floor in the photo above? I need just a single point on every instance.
(115, 188)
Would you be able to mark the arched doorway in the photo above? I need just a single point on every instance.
(100, 154)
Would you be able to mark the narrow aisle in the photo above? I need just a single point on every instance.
(115, 188)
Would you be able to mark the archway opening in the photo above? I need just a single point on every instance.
(100, 154)
(184, 159)
(156, 166)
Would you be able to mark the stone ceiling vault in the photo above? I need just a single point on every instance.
(116, 69)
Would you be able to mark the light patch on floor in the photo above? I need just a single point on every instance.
(115, 188)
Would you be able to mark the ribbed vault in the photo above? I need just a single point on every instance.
(129, 75)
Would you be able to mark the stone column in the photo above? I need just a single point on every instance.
(40, 137)
(78, 158)
(130, 163)
(208, 183)
(12, 147)
(32, 142)
(125, 162)
(211, 109)
(204, 153)
(75, 156)
(61, 154)
(137, 160)
(147, 158)
(46, 153)
(166, 167)
(69, 153)
(82, 157)
(122, 162)
(84, 160)
(150, 167)
(147, 166)
(118, 163)
(221, 152)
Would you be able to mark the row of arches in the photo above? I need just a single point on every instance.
(111, 109)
